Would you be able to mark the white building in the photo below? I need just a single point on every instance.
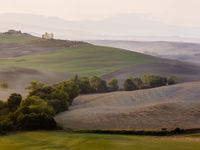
(48, 35)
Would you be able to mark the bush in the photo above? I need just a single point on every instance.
(6, 125)
(84, 85)
(152, 81)
(177, 130)
(164, 129)
(36, 121)
(129, 132)
(37, 105)
(58, 98)
(4, 85)
(58, 106)
(14, 101)
(113, 85)
(129, 85)
(35, 85)
(98, 85)
(70, 88)
(137, 82)
(172, 80)
(33, 100)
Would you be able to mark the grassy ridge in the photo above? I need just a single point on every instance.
(66, 141)
(83, 60)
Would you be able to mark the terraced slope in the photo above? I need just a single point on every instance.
(164, 107)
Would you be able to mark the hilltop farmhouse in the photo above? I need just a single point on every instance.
(48, 35)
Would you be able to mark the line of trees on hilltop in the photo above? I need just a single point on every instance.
(148, 81)
(98, 85)
(43, 102)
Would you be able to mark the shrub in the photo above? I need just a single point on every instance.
(58, 98)
(37, 105)
(84, 85)
(6, 125)
(58, 106)
(164, 129)
(129, 85)
(35, 85)
(113, 85)
(36, 121)
(71, 88)
(4, 85)
(177, 130)
(137, 81)
(97, 84)
(172, 80)
(152, 81)
(14, 101)
(33, 100)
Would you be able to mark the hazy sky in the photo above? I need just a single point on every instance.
(175, 12)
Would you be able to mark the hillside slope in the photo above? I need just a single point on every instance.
(182, 51)
(83, 60)
(19, 78)
(186, 72)
(164, 107)
(22, 44)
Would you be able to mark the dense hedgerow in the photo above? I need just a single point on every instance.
(139, 132)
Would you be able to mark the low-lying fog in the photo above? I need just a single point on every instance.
(189, 52)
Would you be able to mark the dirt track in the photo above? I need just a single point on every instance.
(165, 107)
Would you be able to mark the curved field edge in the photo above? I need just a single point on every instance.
(85, 60)
(54, 140)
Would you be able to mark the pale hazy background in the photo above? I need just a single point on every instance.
(105, 19)
(116, 23)
(174, 12)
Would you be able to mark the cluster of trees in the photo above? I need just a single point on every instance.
(38, 109)
(148, 81)
(43, 102)
(95, 85)
(98, 85)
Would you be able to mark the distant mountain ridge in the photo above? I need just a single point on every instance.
(119, 27)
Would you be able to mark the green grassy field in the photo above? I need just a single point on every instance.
(65, 141)
(84, 60)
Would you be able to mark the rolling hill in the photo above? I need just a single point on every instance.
(83, 60)
(25, 58)
(185, 71)
(22, 44)
(164, 107)
(182, 51)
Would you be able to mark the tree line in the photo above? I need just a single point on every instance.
(98, 85)
(43, 102)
